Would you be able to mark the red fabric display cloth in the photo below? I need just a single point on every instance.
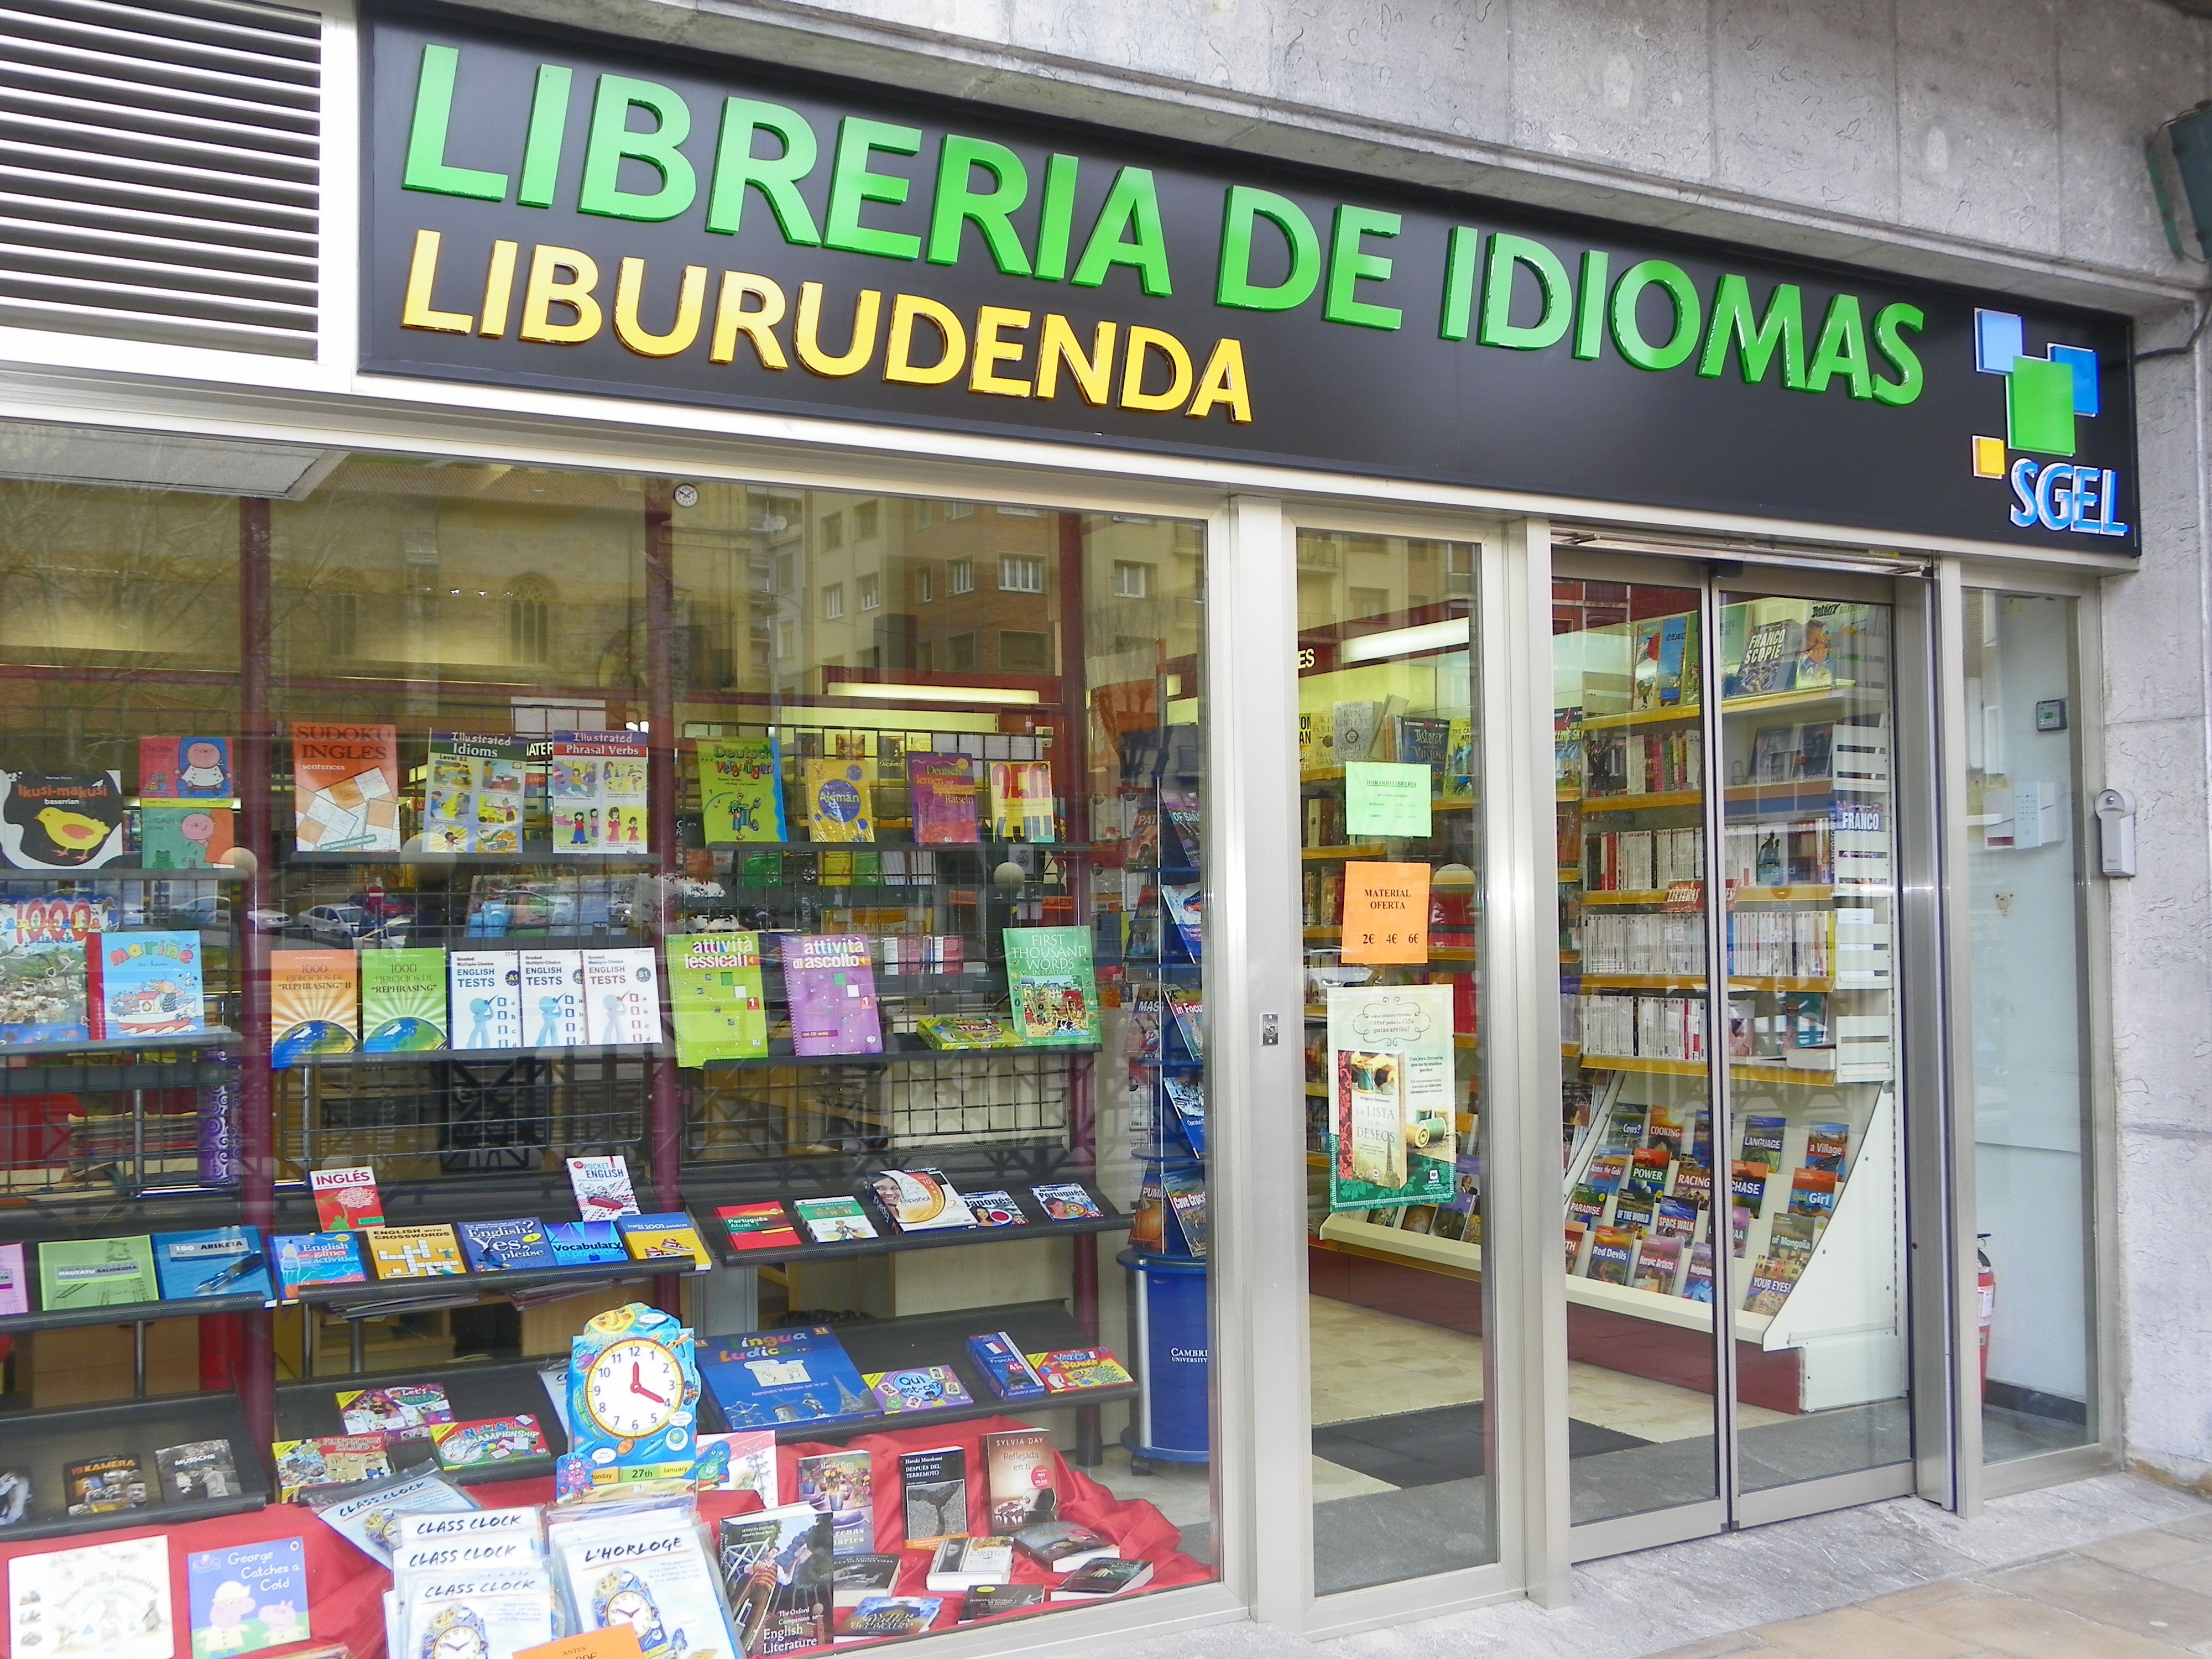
(345, 1588)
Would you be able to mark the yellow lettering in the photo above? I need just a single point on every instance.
(807, 336)
(1143, 342)
(499, 290)
(1223, 383)
(690, 301)
(1057, 345)
(991, 351)
(545, 290)
(898, 352)
(422, 275)
(732, 320)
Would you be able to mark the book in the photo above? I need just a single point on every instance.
(881, 1616)
(60, 820)
(513, 1246)
(917, 1389)
(1353, 726)
(737, 1462)
(919, 1200)
(96, 1273)
(377, 1514)
(412, 1252)
(220, 1262)
(1181, 900)
(1611, 1249)
(1424, 740)
(762, 1226)
(966, 1031)
(1813, 1192)
(15, 1282)
(622, 996)
(400, 1411)
(602, 1187)
(1022, 1477)
(402, 1001)
(944, 796)
(1061, 1547)
(838, 804)
(796, 1375)
(105, 1485)
(994, 1208)
(1148, 1214)
(1762, 1140)
(1657, 1262)
(1186, 1098)
(1070, 1370)
(103, 1601)
(1185, 1201)
(962, 1563)
(486, 989)
(247, 1597)
(616, 1567)
(831, 984)
(345, 788)
(660, 1236)
(715, 999)
(1066, 1200)
(45, 970)
(585, 1243)
(1816, 644)
(192, 770)
(346, 1200)
(1102, 1579)
(1769, 664)
(778, 1569)
(472, 798)
(833, 1220)
(1188, 1005)
(933, 1495)
(857, 1577)
(989, 1600)
(497, 1611)
(595, 791)
(144, 985)
(549, 986)
(841, 1486)
(1052, 986)
(329, 1460)
(304, 1259)
(314, 1003)
(741, 791)
(487, 1441)
(184, 837)
(1827, 1146)
(1022, 804)
(197, 1469)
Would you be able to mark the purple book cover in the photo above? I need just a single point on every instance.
(944, 791)
(14, 1297)
(832, 986)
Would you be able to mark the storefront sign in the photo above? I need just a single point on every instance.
(561, 213)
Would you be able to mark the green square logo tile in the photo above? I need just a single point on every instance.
(2040, 407)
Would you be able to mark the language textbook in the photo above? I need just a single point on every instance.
(792, 1376)
(486, 988)
(412, 1252)
(659, 1237)
(830, 982)
(616, 1566)
(550, 984)
(516, 1246)
(917, 1389)
(402, 1001)
(585, 1243)
(741, 791)
(144, 985)
(602, 1186)
(96, 1273)
(345, 788)
(220, 1262)
(762, 1226)
(715, 998)
(920, 1200)
(1052, 986)
(314, 1006)
(60, 820)
(346, 1199)
(944, 795)
(621, 997)
(595, 788)
(304, 1259)
(472, 798)
(837, 805)
(248, 1597)
(834, 1220)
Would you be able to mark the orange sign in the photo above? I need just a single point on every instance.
(1386, 912)
(617, 1641)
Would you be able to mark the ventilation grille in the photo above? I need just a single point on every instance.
(159, 171)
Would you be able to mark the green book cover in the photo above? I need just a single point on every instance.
(741, 790)
(715, 997)
(1051, 986)
(402, 1001)
(96, 1273)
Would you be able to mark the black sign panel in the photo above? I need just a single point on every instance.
(557, 212)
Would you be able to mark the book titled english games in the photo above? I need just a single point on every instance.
(309, 1259)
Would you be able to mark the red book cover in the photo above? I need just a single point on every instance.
(758, 1226)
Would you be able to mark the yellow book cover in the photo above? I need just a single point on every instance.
(654, 1238)
(1021, 801)
(837, 801)
(314, 1003)
(412, 1252)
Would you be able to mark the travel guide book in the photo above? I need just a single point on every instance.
(304, 1259)
(762, 1226)
(831, 984)
(621, 997)
(402, 1001)
(715, 998)
(486, 991)
(741, 791)
(551, 986)
(219, 1261)
(515, 1246)
(314, 1003)
(345, 788)
(945, 793)
(96, 1273)
(144, 985)
(837, 801)
(595, 790)
(1052, 986)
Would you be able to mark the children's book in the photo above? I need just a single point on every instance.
(329, 1461)
(741, 791)
(994, 1208)
(516, 1246)
(841, 1486)
(1187, 1099)
(1186, 1200)
(488, 1441)
(834, 1220)
(486, 988)
(221, 1261)
(602, 1187)
(1022, 807)
(472, 798)
(737, 1462)
(933, 1495)
(622, 996)
(660, 1236)
(917, 1389)
(345, 788)
(103, 1601)
(551, 986)
(920, 1200)
(838, 808)
(404, 1409)
(314, 1003)
(966, 1031)
(945, 800)
(1052, 986)
(402, 1001)
(585, 1243)
(96, 1273)
(145, 985)
(346, 1199)
(185, 770)
(761, 1227)
(60, 820)
(595, 789)
(45, 968)
(1066, 1200)
(318, 1259)
(715, 998)
(1022, 1475)
(649, 1570)
(412, 1252)
(799, 1375)
(831, 984)
(180, 835)
(1005, 1367)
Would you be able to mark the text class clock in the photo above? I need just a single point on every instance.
(632, 1394)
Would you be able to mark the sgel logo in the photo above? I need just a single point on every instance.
(2044, 397)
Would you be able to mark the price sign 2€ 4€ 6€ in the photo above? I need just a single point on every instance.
(1386, 912)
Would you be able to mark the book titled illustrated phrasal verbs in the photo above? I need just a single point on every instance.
(596, 791)
(831, 982)
(741, 791)
(1392, 1130)
(472, 799)
(345, 788)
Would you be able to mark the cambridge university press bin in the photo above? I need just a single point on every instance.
(1167, 1326)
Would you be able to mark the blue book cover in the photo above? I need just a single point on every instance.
(493, 1247)
(223, 1261)
(580, 1243)
(318, 1259)
(1005, 1367)
(248, 1597)
(772, 1378)
(145, 985)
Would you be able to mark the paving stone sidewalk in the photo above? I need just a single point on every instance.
(2142, 1596)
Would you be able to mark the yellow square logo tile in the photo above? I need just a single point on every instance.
(1989, 458)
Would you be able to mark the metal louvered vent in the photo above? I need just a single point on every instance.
(159, 171)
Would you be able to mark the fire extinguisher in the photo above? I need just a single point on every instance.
(1985, 1293)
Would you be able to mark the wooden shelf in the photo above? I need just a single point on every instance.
(1741, 1071)
(1654, 800)
(1374, 849)
(1782, 894)
(1678, 712)
(1691, 982)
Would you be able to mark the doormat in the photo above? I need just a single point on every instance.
(1426, 1448)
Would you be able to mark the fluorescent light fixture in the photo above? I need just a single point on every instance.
(87, 455)
(1407, 642)
(991, 694)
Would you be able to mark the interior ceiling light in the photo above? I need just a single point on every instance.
(990, 694)
(1406, 642)
(214, 466)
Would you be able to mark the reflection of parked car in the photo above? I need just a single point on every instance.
(537, 906)
(211, 912)
(346, 924)
(384, 907)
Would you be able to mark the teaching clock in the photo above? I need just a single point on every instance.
(633, 1388)
(633, 1396)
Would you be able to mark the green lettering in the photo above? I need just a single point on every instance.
(426, 139)
(1056, 217)
(851, 185)
(1889, 325)
(1498, 328)
(1243, 206)
(1462, 254)
(956, 204)
(1755, 337)
(1689, 313)
(1132, 206)
(776, 178)
(1842, 350)
(1590, 305)
(1349, 265)
(548, 124)
(611, 142)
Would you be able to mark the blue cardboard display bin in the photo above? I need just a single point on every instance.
(1168, 1327)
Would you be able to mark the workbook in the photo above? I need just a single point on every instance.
(831, 985)
(402, 1001)
(314, 1005)
(621, 997)
(715, 998)
(551, 986)
(838, 804)
(741, 791)
(96, 1273)
(472, 799)
(345, 788)
(944, 792)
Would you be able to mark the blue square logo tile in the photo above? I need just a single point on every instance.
(2083, 362)
(1999, 340)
